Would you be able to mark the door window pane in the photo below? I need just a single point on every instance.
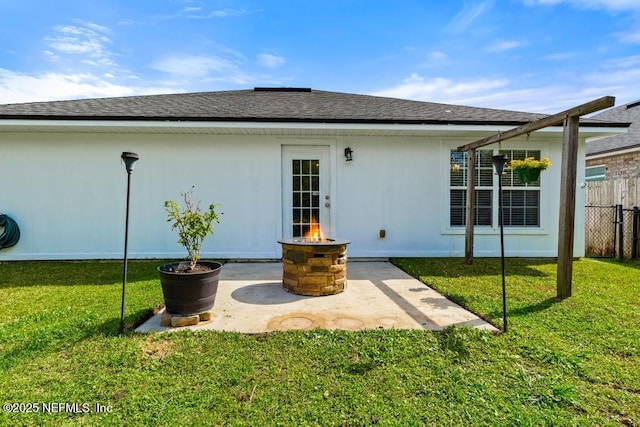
(306, 195)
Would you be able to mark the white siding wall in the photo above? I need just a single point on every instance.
(67, 192)
(393, 185)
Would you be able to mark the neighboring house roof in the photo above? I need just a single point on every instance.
(625, 113)
(270, 105)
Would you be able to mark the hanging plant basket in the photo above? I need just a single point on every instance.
(528, 175)
(528, 170)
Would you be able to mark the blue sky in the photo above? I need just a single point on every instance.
(530, 55)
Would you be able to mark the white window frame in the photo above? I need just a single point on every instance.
(595, 178)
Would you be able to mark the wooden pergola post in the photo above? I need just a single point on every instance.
(566, 224)
(569, 167)
(470, 207)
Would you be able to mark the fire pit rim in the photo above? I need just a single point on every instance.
(301, 241)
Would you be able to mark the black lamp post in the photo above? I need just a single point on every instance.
(499, 162)
(129, 159)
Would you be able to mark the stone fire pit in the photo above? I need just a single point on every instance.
(314, 267)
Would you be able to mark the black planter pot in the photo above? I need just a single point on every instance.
(189, 293)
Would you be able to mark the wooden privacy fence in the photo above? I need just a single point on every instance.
(622, 191)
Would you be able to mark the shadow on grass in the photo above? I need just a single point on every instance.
(534, 308)
(73, 273)
(456, 267)
(495, 315)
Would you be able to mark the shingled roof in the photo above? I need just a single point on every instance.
(624, 113)
(268, 105)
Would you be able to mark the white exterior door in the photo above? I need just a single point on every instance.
(305, 187)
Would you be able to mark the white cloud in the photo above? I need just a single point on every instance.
(270, 61)
(504, 45)
(437, 56)
(505, 95)
(201, 13)
(19, 87)
(621, 80)
(189, 68)
(88, 40)
(471, 10)
(591, 4)
(442, 89)
(194, 66)
(627, 62)
(631, 36)
(560, 56)
(436, 59)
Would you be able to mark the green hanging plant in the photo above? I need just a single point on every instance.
(528, 170)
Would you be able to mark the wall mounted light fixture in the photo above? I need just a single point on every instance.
(348, 154)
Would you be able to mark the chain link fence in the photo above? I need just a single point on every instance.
(612, 231)
(600, 229)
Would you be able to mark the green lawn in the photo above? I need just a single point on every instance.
(569, 362)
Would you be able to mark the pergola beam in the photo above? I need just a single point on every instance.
(556, 119)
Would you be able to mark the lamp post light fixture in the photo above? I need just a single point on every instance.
(348, 154)
(499, 162)
(129, 159)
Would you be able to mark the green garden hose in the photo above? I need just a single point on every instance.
(9, 232)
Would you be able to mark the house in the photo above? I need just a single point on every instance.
(616, 156)
(613, 163)
(383, 173)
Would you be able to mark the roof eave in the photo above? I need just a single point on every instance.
(613, 151)
(138, 119)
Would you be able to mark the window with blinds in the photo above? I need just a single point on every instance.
(521, 202)
(484, 188)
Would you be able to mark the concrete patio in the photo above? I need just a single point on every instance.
(251, 299)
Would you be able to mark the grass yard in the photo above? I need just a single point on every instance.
(570, 362)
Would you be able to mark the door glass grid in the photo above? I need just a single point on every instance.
(306, 195)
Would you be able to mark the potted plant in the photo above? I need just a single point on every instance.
(190, 287)
(528, 170)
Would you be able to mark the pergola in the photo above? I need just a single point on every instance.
(566, 230)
